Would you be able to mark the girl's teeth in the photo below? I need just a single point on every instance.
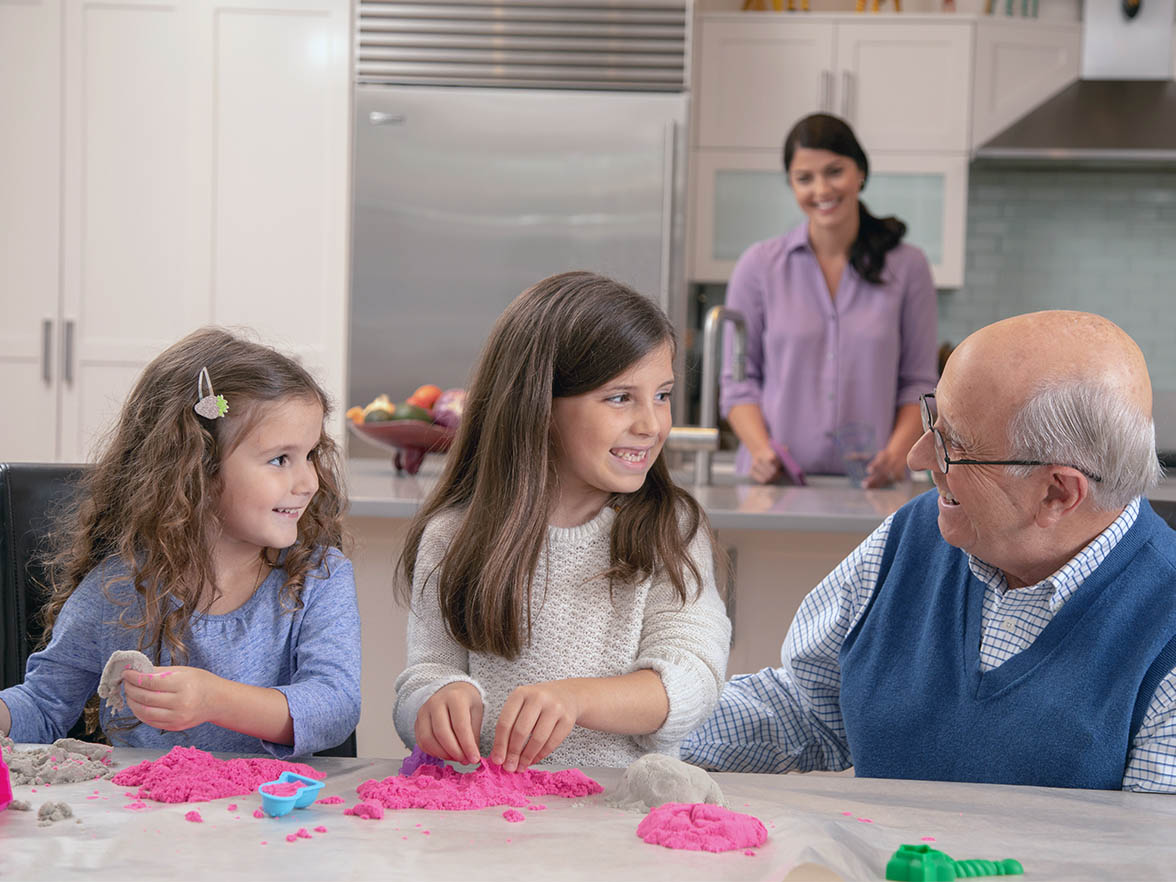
(629, 455)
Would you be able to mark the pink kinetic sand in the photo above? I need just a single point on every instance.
(258, 813)
(188, 774)
(433, 787)
(320, 829)
(514, 816)
(194, 817)
(373, 811)
(701, 826)
(283, 788)
(330, 800)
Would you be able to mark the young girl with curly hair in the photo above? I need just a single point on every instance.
(207, 537)
(561, 584)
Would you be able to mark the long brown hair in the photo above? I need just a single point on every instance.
(567, 335)
(876, 235)
(151, 498)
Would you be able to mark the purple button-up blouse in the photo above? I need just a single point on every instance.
(815, 363)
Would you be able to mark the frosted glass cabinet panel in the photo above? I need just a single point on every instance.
(743, 196)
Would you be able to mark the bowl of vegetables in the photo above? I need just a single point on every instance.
(425, 422)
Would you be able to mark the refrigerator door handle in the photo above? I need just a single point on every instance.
(667, 231)
(379, 118)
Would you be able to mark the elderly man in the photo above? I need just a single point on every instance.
(1031, 638)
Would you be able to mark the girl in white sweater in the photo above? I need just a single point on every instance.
(561, 584)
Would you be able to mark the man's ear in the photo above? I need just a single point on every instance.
(1067, 489)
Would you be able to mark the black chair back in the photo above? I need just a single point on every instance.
(31, 495)
(1165, 509)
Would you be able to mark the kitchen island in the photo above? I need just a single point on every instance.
(820, 827)
(781, 541)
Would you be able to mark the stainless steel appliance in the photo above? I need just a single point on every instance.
(474, 178)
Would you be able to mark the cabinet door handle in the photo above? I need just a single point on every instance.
(67, 354)
(846, 94)
(46, 350)
(379, 118)
(826, 91)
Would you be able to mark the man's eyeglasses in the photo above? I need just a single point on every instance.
(931, 415)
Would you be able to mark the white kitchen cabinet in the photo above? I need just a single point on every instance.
(899, 84)
(30, 220)
(742, 196)
(198, 174)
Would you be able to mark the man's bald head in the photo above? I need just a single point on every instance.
(1020, 355)
(1062, 386)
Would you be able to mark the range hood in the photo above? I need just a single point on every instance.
(1122, 110)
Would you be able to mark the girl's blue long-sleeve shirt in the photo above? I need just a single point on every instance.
(312, 656)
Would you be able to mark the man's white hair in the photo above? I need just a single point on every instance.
(1093, 427)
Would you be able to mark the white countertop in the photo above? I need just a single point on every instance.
(828, 504)
(841, 824)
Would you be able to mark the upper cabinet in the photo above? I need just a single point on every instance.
(898, 84)
(921, 91)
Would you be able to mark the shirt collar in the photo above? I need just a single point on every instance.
(1074, 572)
(796, 239)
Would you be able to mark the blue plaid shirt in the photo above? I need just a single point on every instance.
(788, 719)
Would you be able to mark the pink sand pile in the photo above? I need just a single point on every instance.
(330, 800)
(701, 826)
(514, 816)
(188, 774)
(433, 787)
(371, 810)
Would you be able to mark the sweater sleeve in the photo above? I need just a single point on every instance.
(688, 647)
(62, 676)
(324, 693)
(435, 659)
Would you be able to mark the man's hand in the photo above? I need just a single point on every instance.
(765, 465)
(172, 698)
(450, 722)
(534, 721)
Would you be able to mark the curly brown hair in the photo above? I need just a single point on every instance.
(565, 336)
(151, 499)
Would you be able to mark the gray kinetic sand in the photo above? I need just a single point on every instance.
(110, 686)
(20, 805)
(67, 760)
(53, 811)
(655, 779)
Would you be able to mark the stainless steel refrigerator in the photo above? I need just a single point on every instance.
(487, 160)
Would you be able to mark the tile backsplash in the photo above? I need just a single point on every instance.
(1074, 238)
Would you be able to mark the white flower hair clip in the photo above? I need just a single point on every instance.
(210, 406)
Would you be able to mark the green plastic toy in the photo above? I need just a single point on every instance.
(921, 863)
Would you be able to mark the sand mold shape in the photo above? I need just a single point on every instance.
(656, 779)
(701, 827)
(110, 686)
(65, 761)
(189, 774)
(442, 787)
(53, 811)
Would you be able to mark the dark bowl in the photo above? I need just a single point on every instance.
(409, 440)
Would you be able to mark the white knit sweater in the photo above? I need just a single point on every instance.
(577, 631)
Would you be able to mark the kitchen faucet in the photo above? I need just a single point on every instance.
(708, 416)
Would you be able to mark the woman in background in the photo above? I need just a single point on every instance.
(841, 321)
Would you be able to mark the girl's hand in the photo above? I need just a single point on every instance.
(172, 698)
(534, 721)
(765, 465)
(885, 468)
(449, 723)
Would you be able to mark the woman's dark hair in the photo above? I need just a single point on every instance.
(876, 235)
(565, 336)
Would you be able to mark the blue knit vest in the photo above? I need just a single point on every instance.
(1061, 713)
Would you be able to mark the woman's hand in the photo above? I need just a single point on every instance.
(885, 468)
(449, 723)
(172, 698)
(765, 464)
(534, 721)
